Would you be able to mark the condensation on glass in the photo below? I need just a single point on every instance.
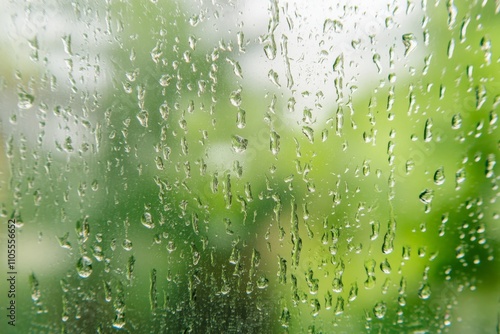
(252, 166)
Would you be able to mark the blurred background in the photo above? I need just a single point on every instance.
(251, 166)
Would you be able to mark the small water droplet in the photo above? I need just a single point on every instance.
(273, 76)
(425, 291)
(262, 282)
(334, 25)
(239, 144)
(275, 143)
(84, 266)
(235, 98)
(309, 133)
(25, 100)
(426, 196)
(165, 80)
(385, 267)
(380, 310)
(490, 165)
(410, 43)
(241, 119)
(439, 177)
(143, 117)
(147, 220)
(376, 61)
(127, 245)
(428, 130)
(456, 121)
(270, 48)
(460, 177)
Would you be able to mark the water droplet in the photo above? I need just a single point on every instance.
(339, 307)
(410, 43)
(240, 37)
(376, 61)
(235, 98)
(353, 292)
(460, 177)
(486, 47)
(241, 119)
(309, 133)
(425, 291)
(25, 100)
(428, 130)
(452, 13)
(262, 282)
(143, 117)
(236, 68)
(35, 287)
(337, 285)
(98, 253)
(426, 196)
(127, 245)
(270, 48)
(385, 267)
(147, 220)
(84, 266)
(273, 76)
(490, 165)
(370, 272)
(239, 144)
(159, 163)
(165, 80)
(275, 143)
(380, 310)
(456, 121)
(330, 25)
(439, 177)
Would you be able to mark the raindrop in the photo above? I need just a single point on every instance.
(235, 98)
(410, 43)
(385, 267)
(275, 143)
(84, 266)
(165, 80)
(143, 117)
(426, 196)
(425, 291)
(456, 121)
(262, 282)
(127, 245)
(428, 130)
(273, 76)
(380, 310)
(460, 177)
(147, 220)
(241, 119)
(239, 144)
(490, 165)
(270, 48)
(25, 100)
(439, 177)
(330, 25)
(309, 133)
(376, 61)
(339, 306)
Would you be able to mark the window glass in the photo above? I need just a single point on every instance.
(256, 166)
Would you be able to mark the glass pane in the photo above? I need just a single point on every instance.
(250, 166)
